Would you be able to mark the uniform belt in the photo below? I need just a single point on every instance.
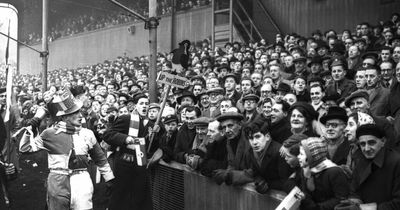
(68, 172)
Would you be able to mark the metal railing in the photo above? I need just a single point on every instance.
(176, 186)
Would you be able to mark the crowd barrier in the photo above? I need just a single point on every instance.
(176, 186)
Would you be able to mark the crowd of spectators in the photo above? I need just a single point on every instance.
(97, 19)
(320, 112)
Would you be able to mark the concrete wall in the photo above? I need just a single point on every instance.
(305, 16)
(96, 46)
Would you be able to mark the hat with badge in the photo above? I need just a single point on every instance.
(66, 103)
(170, 118)
(339, 62)
(300, 59)
(154, 106)
(251, 96)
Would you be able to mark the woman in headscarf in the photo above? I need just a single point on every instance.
(355, 120)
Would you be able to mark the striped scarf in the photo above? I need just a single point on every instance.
(134, 124)
(66, 128)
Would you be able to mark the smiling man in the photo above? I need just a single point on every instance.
(340, 84)
(335, 122)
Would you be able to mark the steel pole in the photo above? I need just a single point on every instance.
(45, 46)
(153, 51)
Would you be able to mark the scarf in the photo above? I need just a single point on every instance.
(199, 144)
(66, 128)
(63, 127)
(309, 174)
(134, 124)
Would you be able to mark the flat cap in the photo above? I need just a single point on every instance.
(231, 75)
(230, 115)
(219, 90)
(201, 121)
(356, 94)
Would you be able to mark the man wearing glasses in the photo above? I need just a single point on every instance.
(335, 122)
(368, 187)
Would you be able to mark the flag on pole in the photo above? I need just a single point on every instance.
(9, 75)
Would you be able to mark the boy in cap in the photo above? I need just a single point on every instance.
(168, 138)
(68, 144)
(195, 155)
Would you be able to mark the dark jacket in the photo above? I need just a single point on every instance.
(273, 169)
(394, 98)
(340, 156)
(167, 144)
(236, 150)
(132, 185)
(235, 97)
(216, 157)
(3, 133)
(378, 180)
(344, 88)
(280, 131)
(379, 101)
(331, 186)
(184, 142)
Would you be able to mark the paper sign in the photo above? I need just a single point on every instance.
(173, 80)
(291, 201)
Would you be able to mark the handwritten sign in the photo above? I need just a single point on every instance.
(173, 80)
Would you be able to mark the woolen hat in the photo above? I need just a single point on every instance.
(356, 94)
(369, 129)
(316, 150)
(3, 90)
(334, 112)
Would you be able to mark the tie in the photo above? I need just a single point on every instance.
(73, 161)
